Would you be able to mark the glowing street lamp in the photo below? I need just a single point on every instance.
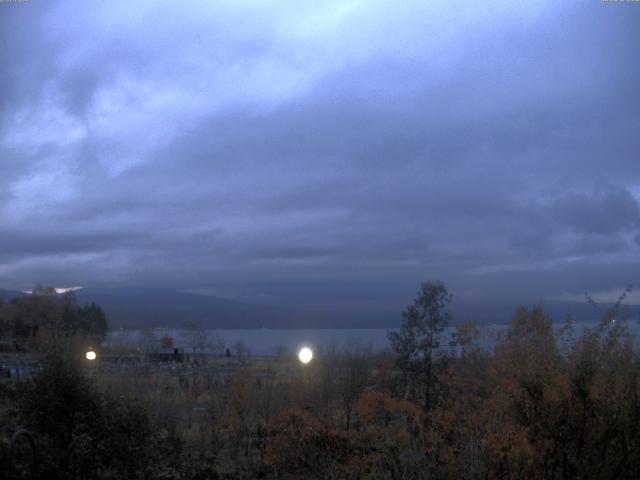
(90, 355)
(305, 355)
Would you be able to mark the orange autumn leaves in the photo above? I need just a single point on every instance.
(535, 406)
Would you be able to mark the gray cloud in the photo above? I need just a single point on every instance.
(263, 151)
(604, 212)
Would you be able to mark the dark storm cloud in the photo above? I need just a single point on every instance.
(253, 149)
(603, 212)
(27, 244)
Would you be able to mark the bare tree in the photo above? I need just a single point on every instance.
(609, 316)
(196, 339)
(216, 343)
(465, 334)
(241, 351)
(148, 341)
(353, 373)
(326, 366)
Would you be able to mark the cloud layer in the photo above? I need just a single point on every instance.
(327, 151)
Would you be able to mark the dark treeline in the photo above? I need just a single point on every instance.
(41, 321)
(540, 404)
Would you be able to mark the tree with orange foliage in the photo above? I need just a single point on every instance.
(352, 376)
(394, 436)
(166, 342)
(465, 334)
(303, 446)
(241, 407)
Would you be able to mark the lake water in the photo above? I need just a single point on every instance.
(268, 342)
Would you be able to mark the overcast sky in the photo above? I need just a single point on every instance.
(321, 152)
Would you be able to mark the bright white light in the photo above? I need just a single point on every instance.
(59, 290)
(67, 289)
(305, 355)
(91, 355)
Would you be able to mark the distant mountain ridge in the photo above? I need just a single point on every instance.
(173, 309)
(140, 307)
(135, 308)
(8, 295)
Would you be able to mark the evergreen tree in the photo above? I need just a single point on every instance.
(418, 340)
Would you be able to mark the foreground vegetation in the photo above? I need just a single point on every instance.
(539, 404)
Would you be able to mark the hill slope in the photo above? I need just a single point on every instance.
(8, 295)
(136, 308)
(171, 309)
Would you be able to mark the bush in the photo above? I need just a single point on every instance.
(83, 433)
